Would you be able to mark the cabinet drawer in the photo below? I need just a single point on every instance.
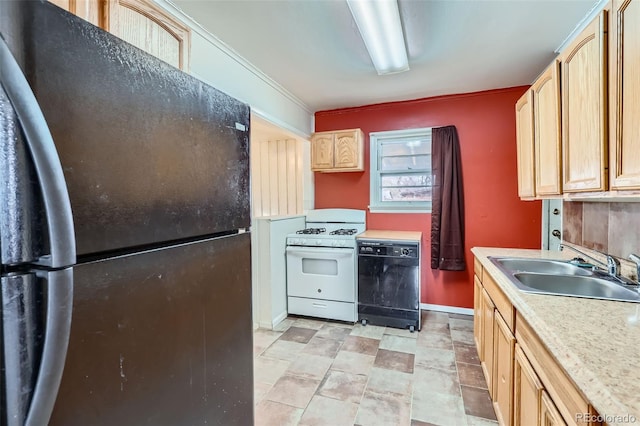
(502, 303)
(566, 396)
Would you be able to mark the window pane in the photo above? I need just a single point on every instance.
(406, 194)
(406, 147)
(405, 180)
(418, 162)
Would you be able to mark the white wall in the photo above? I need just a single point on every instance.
(218, 65)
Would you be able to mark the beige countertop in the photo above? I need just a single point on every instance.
(373, 234)
(596, 342)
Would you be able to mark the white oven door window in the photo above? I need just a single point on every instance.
(321, 273)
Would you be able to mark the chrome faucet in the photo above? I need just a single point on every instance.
(636, 259)
(610, 266)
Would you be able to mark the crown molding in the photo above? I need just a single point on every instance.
(582, 24)
(230, 52)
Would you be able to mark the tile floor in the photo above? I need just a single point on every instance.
(313, 372)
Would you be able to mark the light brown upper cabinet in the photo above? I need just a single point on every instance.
(625, 95)
(89, 10)
(339, 151)
(524, 138)
(546, 131)
(584, 110)
(149, 28)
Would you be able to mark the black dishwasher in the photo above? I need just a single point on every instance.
(389, 283)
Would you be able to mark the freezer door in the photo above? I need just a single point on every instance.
(150, 153)
(162, 338)
(36, 318)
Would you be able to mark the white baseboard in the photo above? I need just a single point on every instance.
(448, 309)
(270, 325)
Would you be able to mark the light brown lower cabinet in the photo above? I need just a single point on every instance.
(549, 414)
(527, 392)
(488, 309)
(504, 344)
(526, 384)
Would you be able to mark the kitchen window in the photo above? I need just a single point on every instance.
(401, 176)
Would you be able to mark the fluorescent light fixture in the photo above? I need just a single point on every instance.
(381, 30)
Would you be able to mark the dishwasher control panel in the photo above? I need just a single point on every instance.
(386, 248)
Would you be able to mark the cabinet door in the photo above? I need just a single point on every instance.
(89, 10)
(527, 391)
(625, 95)
(347, 150)
(147, 27)
(322, 151)
(488, 309)
(546, 118)
(477, 314)
(584, 106)
(549, 415)
(504, 343)
(525, 135)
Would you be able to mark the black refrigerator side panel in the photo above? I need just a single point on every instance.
(150, 154)
(162, 338)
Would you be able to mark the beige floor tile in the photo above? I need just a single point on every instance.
(293, 390)
(430, 380)
(363, 345)
(282, 349)
(477, 421)
(460, 324)
(383, 410)
(310, 366)
(435, 340)
(343, 386)
(284, 324)
(269, 370)
(353, 362)
(463, 336)
(335, 332)
(438, 409)
(269, 413)
(323, 347)
(401, 332)
(324, 411)
(260, 389)
(443, 359)
(314, 324)
(262, 339)
(398, 343)
(434, 317)
(370, 331)
(384, 381)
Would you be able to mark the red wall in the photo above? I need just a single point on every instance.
(494, 215)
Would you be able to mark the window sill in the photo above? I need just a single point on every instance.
(422, 210)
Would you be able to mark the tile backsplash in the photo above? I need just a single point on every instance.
(612, 228)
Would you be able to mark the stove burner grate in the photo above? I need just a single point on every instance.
(312, 231)
(351, 231)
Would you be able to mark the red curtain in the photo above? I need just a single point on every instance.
(447, 214)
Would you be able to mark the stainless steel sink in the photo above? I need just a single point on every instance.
(543, 266)
(555, 277)
(575, 285)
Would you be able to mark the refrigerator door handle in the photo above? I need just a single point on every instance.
(56, 342)
(46, 162)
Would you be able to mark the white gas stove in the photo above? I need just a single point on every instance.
(322, 263)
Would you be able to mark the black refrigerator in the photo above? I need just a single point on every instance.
(124, 218)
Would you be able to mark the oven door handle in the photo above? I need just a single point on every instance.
(324, 251)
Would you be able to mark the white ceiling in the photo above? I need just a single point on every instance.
(313, 48)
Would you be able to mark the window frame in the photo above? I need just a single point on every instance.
(376, 205)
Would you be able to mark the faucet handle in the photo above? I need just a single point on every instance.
(613, 266)
(636, 259)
